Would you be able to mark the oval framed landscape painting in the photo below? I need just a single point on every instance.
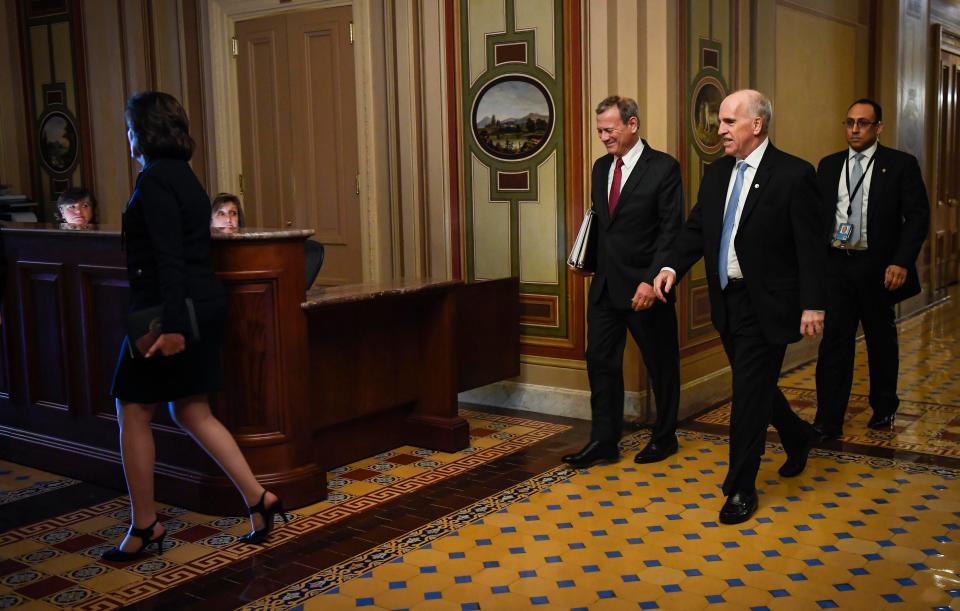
(58, 142)
(512, 117)
(705, 121)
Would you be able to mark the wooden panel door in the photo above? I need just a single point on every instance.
(324, 117)
(946, 214)
(263, 87)
(300, 88)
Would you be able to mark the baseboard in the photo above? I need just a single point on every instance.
(695, 396)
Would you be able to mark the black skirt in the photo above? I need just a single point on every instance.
(161, 379)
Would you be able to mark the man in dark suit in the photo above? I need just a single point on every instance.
(638, 199)
(758, 226)
(876, 235)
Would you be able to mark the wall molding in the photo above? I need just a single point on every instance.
(695, 397)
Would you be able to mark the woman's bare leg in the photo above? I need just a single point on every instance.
(194, 416)
(139, 455)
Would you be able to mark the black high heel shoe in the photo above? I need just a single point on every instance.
(259, 536)
(146, 535)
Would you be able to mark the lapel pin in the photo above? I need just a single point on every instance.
(756, 185)
(883, 169)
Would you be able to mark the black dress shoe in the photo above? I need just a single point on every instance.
(797, 460)
(591, 454)
(826, 432)
(882, 422)
(739, 507)
(655, 452)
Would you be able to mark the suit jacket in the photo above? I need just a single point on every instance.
(898, 212)
(633, 243)
(780, 242)
(166, 235)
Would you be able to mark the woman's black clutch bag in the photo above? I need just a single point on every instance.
(144, 327)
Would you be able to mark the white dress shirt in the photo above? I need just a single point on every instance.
(752, 161)
(843, 196)
(629, 162)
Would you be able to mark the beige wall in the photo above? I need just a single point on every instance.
(812, 58)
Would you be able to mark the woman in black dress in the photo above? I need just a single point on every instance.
(166, 229)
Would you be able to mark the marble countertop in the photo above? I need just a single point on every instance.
(350, 293)
(247, 233)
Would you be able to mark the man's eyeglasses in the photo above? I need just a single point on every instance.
(861, 123)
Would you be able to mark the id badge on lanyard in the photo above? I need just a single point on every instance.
(845, 230)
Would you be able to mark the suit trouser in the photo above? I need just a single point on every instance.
(655, 331)
(856, 295)
(757, 401)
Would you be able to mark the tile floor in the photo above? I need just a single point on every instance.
(56, 562)
(872, 523)
(852, 533)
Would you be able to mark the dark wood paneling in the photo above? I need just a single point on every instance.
(103, 291)
(304, 390)
(488, 332)
(248, 352)
(44, 331)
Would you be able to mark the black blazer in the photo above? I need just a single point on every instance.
(898, 212)
(632, 245)
(780, 242)
(166, 235)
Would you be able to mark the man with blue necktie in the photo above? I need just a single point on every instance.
(878, 213)
(758, 225)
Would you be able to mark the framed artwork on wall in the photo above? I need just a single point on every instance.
(513, 117)
(57, 142)
(705, 109)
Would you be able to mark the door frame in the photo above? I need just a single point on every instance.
(942, 39)
(218, 18)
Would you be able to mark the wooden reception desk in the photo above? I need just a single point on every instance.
(314, 379)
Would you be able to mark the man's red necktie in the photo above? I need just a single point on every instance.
(615, 188)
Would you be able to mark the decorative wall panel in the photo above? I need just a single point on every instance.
(515, 155)
(707, 66)
(55, 91)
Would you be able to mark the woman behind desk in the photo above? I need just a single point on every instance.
(226, 212)
(77, 208)
(226, 215)
(167, 240)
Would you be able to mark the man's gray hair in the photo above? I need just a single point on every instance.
(760, 106)
(627, 107)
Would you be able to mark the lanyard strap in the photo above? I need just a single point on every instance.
(852, 194)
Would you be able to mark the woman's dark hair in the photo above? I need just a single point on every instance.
(76, 194)
(221, 199)
(160, 126)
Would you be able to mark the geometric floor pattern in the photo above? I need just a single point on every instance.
(18, 482)
(928, 419)
(56, 562)
(851, 532)
(929, 351)
(925, 428)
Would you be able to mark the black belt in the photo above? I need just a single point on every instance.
(850, 252)
(735, 284)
